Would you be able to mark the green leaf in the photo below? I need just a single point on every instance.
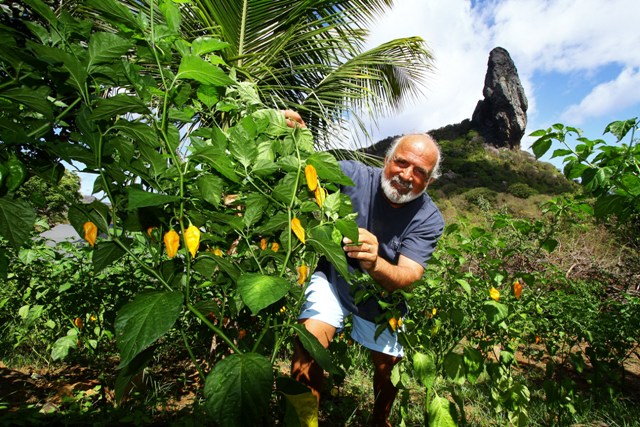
(611, 204)
(196, 68)
(242, 142)
(320, 239)
(140, 199)
(316, 350)
(171, 15)
(424, 366)
(145, 319)
(140, 133)
(348, 228)
(33, 98)
(620, 128)
(442, 412)
(539, 132)
(105, 254)
(204, 45)
(210, 188)
(238, 390)
(216, 158)
(465, 285)
(541, 146)
(105, 47)
(208, 264)
(549, 245)
(286, 189)
(328, 168)
(256, 205)
(495, 311)
(259, 291)
(118, 105)
(302, 405)
(473, 362)
(454, 367)
(61, 347)
(16, 221)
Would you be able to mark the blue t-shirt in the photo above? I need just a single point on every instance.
(411, 230)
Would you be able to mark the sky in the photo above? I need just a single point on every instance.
(578, 60)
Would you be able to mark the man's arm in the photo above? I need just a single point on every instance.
(389, 276)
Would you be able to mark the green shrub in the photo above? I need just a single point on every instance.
(480, 195)
(521, 190)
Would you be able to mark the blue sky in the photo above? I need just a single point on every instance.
(578, 60)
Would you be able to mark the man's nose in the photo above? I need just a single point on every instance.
(407, 173)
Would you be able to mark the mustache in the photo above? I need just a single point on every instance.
(406, 184)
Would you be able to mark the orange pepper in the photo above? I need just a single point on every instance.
(90, 232)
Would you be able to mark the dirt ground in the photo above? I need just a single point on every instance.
(55, 389)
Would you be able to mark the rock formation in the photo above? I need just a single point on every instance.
(501, 117)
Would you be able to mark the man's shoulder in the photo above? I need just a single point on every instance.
(355, 169)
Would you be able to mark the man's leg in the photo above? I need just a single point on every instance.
(384, 390)
(303, 367)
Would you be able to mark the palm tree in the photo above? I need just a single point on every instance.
(309, 55)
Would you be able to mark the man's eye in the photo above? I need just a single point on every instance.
(402, 163)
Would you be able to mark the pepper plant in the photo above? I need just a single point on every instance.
(188, 150)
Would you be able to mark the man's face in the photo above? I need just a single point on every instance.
(407, 172)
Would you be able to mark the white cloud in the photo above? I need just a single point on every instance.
(572, 37)
(607, 98)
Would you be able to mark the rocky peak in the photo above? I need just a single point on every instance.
(501, 117)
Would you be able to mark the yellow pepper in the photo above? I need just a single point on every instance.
(321, 195)
(171, 242)
(192, 239)
(303, 271)
(218, 252)
(90, 232)
(494, 294)
(312, 177)
(296, 227)
(275, 246)
(393, 322)
(263, 243)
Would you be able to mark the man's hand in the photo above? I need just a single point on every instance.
(364, 250)
(389, 276)
(293, 119)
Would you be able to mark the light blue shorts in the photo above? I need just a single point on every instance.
(322, 304)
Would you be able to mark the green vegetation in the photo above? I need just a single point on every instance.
(527, 315)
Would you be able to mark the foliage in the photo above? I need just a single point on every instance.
(51, 201)
(521, 190)
(610, 173)
(307, 55)
(130, 120)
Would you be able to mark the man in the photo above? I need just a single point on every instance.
(399, 227)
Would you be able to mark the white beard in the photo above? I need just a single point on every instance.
(393, 194)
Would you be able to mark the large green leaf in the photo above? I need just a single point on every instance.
(328, 168)
(238, 390)
(442, 413)
(105, 254)
(302, 405)
(105, 47)
(256, 205)
(117, 105)
(473, 362)
(320, 239)
(454, 367)
(145, 319)
(316, 350)
(61, 347)
(424, 366)
(495, 311)
(218, 159)
(196, 68)
(210, 188)
(140, 199)
(16, 221)
(259, 291)
(242, 144)
(33, 98)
